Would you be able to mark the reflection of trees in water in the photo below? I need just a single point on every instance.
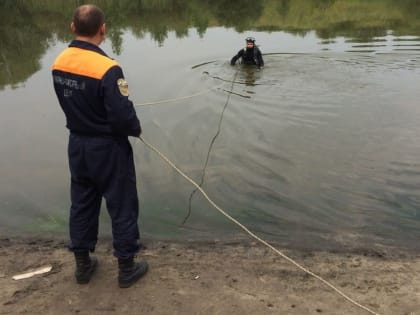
(285, 7)
(22, 43)
(238, 14)
(27, 27)
(351, 18)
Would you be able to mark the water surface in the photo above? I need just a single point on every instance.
(320, 148)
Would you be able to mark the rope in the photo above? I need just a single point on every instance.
(163, 157)
(179, 98)
(219, 127)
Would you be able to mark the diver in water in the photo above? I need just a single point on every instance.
(250, 55)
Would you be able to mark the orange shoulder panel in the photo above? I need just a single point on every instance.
(83, 62)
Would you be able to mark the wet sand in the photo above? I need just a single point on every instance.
(210, 278)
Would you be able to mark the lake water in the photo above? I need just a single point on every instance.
(318, 149)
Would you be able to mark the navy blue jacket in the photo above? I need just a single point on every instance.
(93, 93)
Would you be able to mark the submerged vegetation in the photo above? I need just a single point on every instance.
(29, 27)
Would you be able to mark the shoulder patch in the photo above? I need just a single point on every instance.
(123, 86)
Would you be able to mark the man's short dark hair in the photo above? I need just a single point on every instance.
(88, 19)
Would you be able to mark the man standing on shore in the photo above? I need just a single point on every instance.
(93, 94)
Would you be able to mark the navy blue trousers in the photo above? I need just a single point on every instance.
(103, 167)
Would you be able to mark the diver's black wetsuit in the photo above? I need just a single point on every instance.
(249, 56)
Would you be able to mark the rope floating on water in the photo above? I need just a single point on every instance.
(211, 145)
(164, 158)
(177, 99)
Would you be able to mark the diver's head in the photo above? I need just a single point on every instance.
(250, 42)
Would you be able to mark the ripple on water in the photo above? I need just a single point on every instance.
(318, 144)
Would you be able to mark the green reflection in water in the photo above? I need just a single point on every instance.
(29, 27)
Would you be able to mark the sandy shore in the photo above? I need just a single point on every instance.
(210, 278)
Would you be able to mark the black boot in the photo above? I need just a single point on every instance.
(129, 271)
(85, 267)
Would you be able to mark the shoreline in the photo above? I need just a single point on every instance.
(210, 278)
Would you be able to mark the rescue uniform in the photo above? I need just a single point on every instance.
(93, 94)
(249, 56)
